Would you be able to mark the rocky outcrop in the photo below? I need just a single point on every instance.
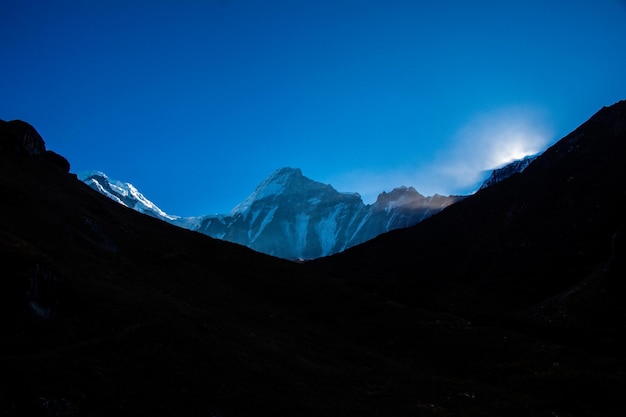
(21, 139)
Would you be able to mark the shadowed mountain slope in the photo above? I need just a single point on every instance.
(544, 246)
(106, 311)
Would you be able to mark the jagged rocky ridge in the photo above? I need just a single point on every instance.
(291, 216)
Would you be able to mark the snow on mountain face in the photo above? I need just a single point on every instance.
(291, 216)
(281, 182)
(506, 171)
(124, 193)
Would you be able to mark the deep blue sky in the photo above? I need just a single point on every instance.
(196, 102)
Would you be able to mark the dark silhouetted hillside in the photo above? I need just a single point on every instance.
(105, 311)
(543, 246)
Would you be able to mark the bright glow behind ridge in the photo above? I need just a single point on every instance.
(488, 141)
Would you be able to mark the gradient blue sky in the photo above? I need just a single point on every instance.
(196, 102)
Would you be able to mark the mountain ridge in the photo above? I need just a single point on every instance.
(123, 193)
(531, 236)
(502, 173)
(290, 216)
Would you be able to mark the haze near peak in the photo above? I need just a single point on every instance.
(487, 141)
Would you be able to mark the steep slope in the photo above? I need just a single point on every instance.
(124, 193)
(544, 246)
(506, 171)
(291, 216)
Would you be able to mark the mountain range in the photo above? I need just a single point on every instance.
(291, 216)
(508, 302)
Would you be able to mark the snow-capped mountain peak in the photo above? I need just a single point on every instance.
(291, 216)
(282, 182)
(124, 193)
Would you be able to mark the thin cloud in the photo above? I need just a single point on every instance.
(490, 141)
(486, 142)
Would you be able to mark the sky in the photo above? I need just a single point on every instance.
(196, 102)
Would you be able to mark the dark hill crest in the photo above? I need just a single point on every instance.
(18, 138)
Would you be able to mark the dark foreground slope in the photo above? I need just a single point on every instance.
(544, 248)
(104, 311)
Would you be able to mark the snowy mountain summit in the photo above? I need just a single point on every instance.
(279, 185)
(291, 216)
(124, 193)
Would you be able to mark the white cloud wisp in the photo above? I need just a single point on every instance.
(488, 141)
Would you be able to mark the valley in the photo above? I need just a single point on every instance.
(509, 302)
